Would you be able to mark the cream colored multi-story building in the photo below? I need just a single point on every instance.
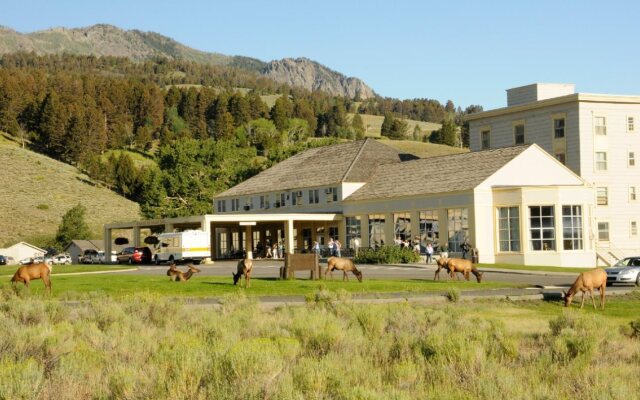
(595, 135)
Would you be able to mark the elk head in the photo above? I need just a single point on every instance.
(479, 276)
(236, 277)
(358, 275)
(568, 297)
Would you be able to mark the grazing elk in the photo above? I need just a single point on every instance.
(27, 273)
(244, 268)
(456, 265)
(442, 264)
(587, 281)
(176, 275)
(343, 264)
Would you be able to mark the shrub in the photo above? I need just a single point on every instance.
(42, 206)
(387, 255)
(453, 294)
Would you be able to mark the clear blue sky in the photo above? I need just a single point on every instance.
(466, 51)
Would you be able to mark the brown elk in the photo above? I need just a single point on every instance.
(176, 275)
(587, 281)
(244, 268)
(442, 264)
(343, 264)
(27, 273)
(456, 265)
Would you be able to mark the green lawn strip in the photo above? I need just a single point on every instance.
(9, 270)
(533, 268)
(124, 285)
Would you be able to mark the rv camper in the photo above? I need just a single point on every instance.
(192, 246)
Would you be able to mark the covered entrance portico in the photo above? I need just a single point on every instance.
(242, 235)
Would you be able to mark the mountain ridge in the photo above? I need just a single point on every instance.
(110, 40)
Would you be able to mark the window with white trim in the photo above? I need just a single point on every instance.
(600, 125)
(235, 204)
(542, 228)
(572, 227)
(518, 134)
(633, 228)
(602, 196)
(485, 139)
(632, 159)
(509, 228)
(631, 126)
(314, 196)
(283, 199)
(429, 227)
(632, 193)
(222, 206)
(353, 230)
(402, 226)
(601, 161)
(603, 231)
(376, 230)
(262, 202)
(558, 128)
(458, 227)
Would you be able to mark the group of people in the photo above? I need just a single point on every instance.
(274, 251)
(334, 247)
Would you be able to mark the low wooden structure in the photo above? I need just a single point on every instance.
(300, 262)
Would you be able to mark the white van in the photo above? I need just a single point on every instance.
(191, 246)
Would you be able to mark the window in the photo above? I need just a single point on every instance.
(262, 202)
(429, 229)
(542, 228)
(600, 124)
(376, 230)
(331, 194)
(334, 193)
(631, 126)
(572, 227)
(249, 204)
(602, 196)
(333, 233)
(402, 226)
(561, 157)
(222, 206)
(558, 128)
(601, 161)
(634, 228)
(235, 204)
(458, 227)
(632, 193)
(314, 196)
(632, 159)
(509, 228)
(295, 199)
(283, 199)
(603, 231)
(223, 243)
(485, 137)
(354, 233)
(518, 133)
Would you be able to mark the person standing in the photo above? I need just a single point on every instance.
(316, 247)
(465, 248)
(356, 245)
(337, 246)
(331, 246)
(429, 253)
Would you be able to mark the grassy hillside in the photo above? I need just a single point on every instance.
(38, 190)
(373, 124)
(423, 150)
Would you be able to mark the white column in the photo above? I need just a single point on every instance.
(249, 249)
(288, 236)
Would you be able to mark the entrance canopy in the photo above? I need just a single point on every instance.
(209, 222)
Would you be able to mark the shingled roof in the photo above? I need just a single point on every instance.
(322, 166)
(450, 173)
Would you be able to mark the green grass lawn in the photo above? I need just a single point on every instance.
(9, 270)
(123, 285)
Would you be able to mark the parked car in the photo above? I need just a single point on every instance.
(3, 260)
(626, 270)
(61, 259)
(101, 258)
(89, 256)
(26, 261)
(134, 255)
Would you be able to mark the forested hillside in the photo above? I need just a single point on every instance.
(204, 133)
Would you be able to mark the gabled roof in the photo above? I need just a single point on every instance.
(26, 244)
(450, 173)
(87, 244)
(322, 166)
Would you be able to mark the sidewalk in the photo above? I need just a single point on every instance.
(433, 267)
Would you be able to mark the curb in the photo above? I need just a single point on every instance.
(85, 273)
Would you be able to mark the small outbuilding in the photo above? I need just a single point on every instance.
(23, 250)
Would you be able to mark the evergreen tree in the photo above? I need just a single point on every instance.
(358, 126)
(72, 227)
(449, 133)
(281, 112)
(387, 125)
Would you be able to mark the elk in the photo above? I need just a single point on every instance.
(27, 273)
(343, 264)
(442, 264)
(175, 275)
(587, 281)
(244, 268)
(456, 265)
